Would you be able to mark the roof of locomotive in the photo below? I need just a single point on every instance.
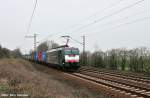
(62, 48)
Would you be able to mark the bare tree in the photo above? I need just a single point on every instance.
(4, 52)
(85, 60)
(16, 53)
(52, 44)
(113, 60)
(47, 45)
(43, 47)
(97, 59)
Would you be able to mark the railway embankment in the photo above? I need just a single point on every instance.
(22, 78)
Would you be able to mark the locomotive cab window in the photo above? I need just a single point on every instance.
(59, 53)
(76, 52)
(67, 52)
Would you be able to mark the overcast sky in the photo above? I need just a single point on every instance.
(104, 30)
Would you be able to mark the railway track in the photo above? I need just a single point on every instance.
(119, 88)
(106, 83)
(123, 84)
(136, 77)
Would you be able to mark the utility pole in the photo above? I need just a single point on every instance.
(34, 36)
(83, 43)
(84, 59)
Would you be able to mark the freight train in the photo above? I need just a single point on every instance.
(62, 57)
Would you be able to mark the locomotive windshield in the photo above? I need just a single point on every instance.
(76, 52)
(73, 51)
(67, 52)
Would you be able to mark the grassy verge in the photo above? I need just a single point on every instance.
(18, 76)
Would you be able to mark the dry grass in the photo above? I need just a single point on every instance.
(22, 77)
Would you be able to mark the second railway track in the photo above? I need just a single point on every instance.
(134, 92)
(127, 85)
(130, 76)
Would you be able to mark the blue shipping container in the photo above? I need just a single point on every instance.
(35, 56)
(44, 56)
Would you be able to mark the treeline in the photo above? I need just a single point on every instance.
(137, 59)
(47, 45)
(6, 53)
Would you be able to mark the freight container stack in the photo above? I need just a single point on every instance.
(39, 56)
(35, 56)
(62, 57)
(43, 56)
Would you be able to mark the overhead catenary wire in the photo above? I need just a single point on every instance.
(120, 25)
(121, 19)
(32, 15)
(76, 41)
(100, 11)
(105, 17)
(44, 39)
(30, 21)
(96, 13)
(110, 15)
